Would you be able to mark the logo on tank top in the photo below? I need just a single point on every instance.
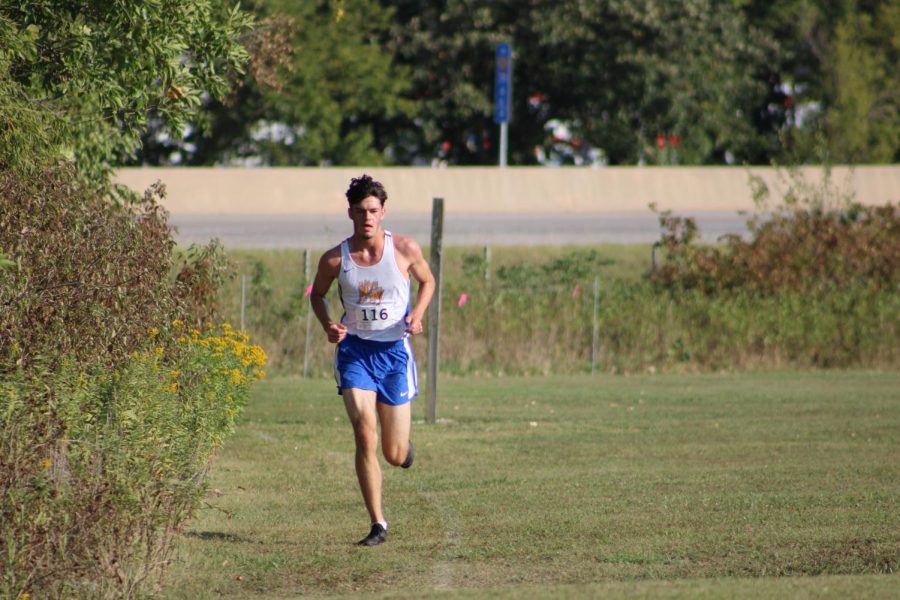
(369, 292)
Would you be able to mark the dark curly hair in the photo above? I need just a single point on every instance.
(363, 187)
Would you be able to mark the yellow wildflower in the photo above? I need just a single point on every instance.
(259, 374)
(175, 374)
(154, 331)
(46, 463)
(178, 323)
(172, 387)
(158, 351)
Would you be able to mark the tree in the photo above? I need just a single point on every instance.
(78, 80)
(617, 75)
(338, 81)
(619, 82)
(862, 121)
(834, 78)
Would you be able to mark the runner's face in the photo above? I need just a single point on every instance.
(366, 217)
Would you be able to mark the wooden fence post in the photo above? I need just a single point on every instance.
(595, 337)
(309, 313)
(434, 316)
(243, 303)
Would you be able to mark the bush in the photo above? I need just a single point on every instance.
(86, 277)
(815, 242)
(115, 389)
(91, 503)
(89, 276)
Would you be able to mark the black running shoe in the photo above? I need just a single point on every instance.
(377, 536)
(409, 457)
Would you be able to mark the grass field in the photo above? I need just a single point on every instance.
(751, 485)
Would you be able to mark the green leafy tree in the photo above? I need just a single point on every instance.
(695, 82)
(338, 82)
(862, 79)
(835, 75)
(79, 80)
(617, 75)
(619, 81)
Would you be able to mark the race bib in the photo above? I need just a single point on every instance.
(373, 318)
(373, 311)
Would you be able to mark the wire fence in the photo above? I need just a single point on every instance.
(475, 316)
(507, 323)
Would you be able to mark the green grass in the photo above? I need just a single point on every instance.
(655, 486)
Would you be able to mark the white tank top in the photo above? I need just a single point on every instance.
(375, 298)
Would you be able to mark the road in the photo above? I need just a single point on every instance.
(323, 231)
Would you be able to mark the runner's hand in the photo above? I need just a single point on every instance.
(336, 332)
(414, 325)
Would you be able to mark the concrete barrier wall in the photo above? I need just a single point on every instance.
(476, 190)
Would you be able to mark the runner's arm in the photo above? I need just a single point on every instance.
(418, 268)
(329, 268)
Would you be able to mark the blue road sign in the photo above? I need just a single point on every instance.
(503, 83)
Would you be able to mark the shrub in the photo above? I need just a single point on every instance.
(814, 242)
(115, 388)
(87, 277)
(92, 501)
(88, 274)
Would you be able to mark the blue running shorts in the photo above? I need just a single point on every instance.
(388, 368)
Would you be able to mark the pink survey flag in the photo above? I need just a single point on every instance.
(308, 291)
(463, 298)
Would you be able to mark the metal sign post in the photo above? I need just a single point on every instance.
(503, 95)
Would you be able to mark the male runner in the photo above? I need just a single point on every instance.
(374, 364)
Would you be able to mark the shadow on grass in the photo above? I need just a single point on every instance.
(215, 536)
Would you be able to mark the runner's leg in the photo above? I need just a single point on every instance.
(360, 406)
(395, 428)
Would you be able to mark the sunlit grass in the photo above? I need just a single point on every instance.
(674, 486)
